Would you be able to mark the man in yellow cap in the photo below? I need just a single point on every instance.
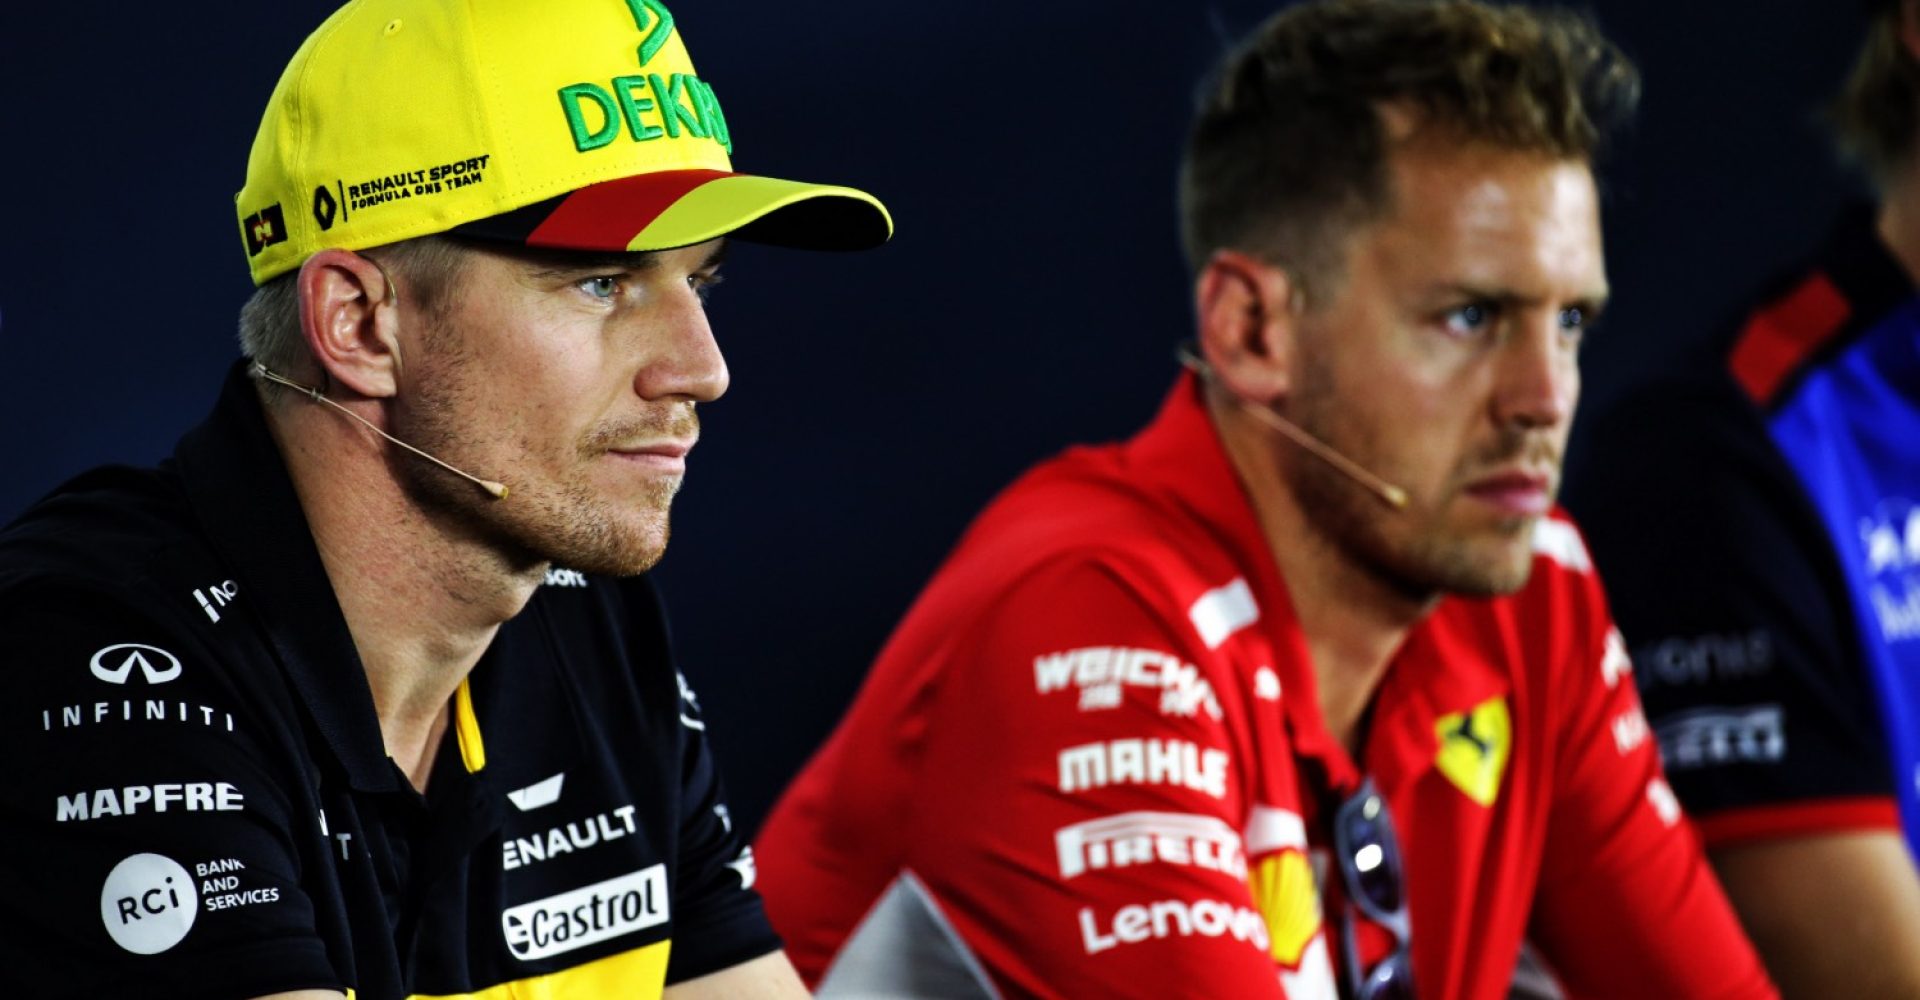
(360, 693)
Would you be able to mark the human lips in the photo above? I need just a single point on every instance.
(1517, 493)
(660, 456)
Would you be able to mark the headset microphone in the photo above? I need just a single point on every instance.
(1393, 496)
(497, 490)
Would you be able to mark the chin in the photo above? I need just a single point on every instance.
(624, 550)
(577, 533)
(1499, 576)
(1498, 583)
(1470, 567)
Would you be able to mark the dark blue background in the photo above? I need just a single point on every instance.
(1030, 300)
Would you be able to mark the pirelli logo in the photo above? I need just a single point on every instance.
(1138, 838)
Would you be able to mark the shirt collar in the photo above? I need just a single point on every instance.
(237, 484)
(1180, 451)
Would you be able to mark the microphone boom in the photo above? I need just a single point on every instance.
(1393, 496)
(497, 490)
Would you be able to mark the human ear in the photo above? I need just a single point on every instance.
(1248, 319)
(348, 323)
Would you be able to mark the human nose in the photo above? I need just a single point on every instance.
(1539, 376)
(686, 363)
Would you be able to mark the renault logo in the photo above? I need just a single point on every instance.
(114, 663)
(323, 207)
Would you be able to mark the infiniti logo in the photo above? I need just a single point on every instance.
(114, 663)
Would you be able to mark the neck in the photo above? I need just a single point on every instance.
(1354, 619)
(1898, 222)
(422, 602)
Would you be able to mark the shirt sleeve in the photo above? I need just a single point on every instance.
(1085, 834)
(1729, 593)
(1626, 904)
(718, 918)
(148, 830)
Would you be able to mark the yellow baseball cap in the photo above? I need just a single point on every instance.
(572, 124)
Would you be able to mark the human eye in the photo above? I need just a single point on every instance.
(703, 282)
(605, 286)
(1577, 320)
(1471, 319)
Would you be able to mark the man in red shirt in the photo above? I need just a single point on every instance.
(1307, 683)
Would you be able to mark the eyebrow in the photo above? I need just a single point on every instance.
(1593, 302)
(559, 264)
(717, 256)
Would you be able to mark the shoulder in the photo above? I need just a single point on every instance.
(112, 525)
(1082, 645)
(112, 567)
(1700, 524)
(1080, 516)
(1679, 465)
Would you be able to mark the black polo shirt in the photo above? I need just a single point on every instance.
(201, 804)
(1749, 646)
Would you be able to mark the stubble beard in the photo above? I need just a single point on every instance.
(1410, 550)
(559, 519)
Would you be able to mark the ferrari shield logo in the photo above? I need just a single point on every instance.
(1474, 747)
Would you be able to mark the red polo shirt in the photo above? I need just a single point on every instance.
(1082, 748)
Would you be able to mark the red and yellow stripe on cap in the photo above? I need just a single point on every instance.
(677, 208)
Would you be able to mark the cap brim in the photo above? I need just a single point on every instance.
(677, 208)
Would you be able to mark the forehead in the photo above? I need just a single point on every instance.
(1513, 221)
(539, 260)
